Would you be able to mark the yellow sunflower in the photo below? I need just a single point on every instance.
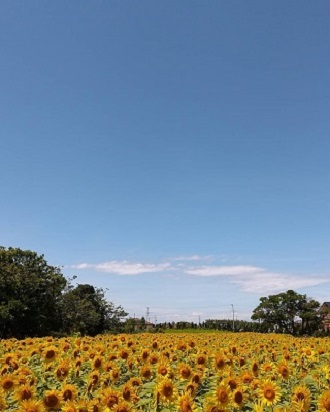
(52, 399)
(23, 393)
(239, 398)
(62, 370)
(31, 405)
(184, 371)
(302, 397)
(269, 393)
(220, 361)
(186, 403)
(166, 390)
(284, 371)
(50, 354)
(69, 392)
(122, 406)
(110, 397)
(8, 382)
(222, 395)
(324, 402)
(127, 391)
(69, 406)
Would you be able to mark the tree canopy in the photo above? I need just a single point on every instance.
(37, 300)
(30, 292)
(289, 312)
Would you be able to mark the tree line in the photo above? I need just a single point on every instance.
(37, 300)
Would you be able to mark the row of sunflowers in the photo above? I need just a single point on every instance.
(166, 373)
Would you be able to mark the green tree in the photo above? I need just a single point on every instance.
(288, 312)
(30, 294)
(85, 310)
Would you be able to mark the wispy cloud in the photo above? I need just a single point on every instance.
(192, 258)
(251, 279)
(269, 282)
(223, 270)
(256, 279)
(124, 267)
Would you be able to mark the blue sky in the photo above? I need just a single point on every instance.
(174, 153)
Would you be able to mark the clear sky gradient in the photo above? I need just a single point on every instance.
(175, 153)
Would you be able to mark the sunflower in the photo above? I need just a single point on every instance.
(94, 378)
(239, 398)
(184, 371)
(82, 405)
(222, 395)
(324, 402)
(146, 372)
(246, 377)
(211, 406)
(110, 397)
(62, 370)
(162, 368)
(23, 393)
(186, 403)
(31, 405)
(8, 382)
(166, 390)
(302, 397)
(69, 406)
(269, 393)
(50, 354)
(122, 406)
(52, 399)
(201, 359)
(69, 392)
(127, 391)
(284, 371)
(135, 382)
(97, 362)
(220, 361)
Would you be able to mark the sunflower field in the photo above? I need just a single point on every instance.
(164, 373)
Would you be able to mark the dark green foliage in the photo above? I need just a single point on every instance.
(289, 312)
(30, 293)
(86, 311)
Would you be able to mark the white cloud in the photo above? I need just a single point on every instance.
(268, 282)
(251, 279)
(224, 270)
(193, 258)
(124, 267)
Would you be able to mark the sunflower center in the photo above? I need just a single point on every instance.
(50, 354)
(51, 401)
(126, 394)
(67, 395)
(113, 400)
(222, 396)
(7, 384)
(220, 363)
(238, 397)
(168, 391)
(26, 394)
(269, 394)
(300, 396)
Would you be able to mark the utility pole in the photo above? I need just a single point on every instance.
(148, 315)
(233, 317)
